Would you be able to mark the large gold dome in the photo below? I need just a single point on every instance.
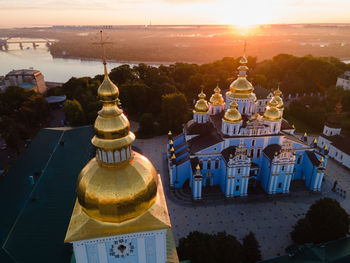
(241, 85)
(232, 115)
(116, 194)
(272, 113)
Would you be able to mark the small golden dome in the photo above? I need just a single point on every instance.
(201, 104)
(216, 98)
(272, 113)
(107, 91)
(117, 194)
(232, 115)
(277, 96)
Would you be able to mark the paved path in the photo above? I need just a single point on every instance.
(270, 218)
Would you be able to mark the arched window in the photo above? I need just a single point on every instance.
(201, 164)
(299, 159)
(252, 153)
(243, 111)
(216, 164)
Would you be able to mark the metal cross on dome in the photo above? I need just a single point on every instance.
(102, 43)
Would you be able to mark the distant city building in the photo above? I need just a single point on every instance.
(241, 142)
(344, 80)
(30, 79)
(338, 145)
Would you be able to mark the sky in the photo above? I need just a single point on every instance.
(141, 12)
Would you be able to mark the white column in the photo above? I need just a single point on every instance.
(277, 169)
(228, 182)
(141, 250)
(320, 181)
(161, 247)
(102, 252)
(272, 178)
(80, 253)
(200, 188)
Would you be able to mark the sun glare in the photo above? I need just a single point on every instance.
(246, 15)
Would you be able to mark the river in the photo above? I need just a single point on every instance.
(53, 69)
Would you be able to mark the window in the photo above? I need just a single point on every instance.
(283, 167)
(279, 185)
(243, 111)
(252, 153)
(258, 153)
(227, 129)
(216, 164)
(239, 170)
(253, 142)
(299, 159)
(209, 164)
(201, 164)
(336, 153)
(237, 187)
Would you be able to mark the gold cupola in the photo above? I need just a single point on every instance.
(272, 113)
(118, 184)
(216, 98)
(232, 115)
(241, 87)
(277, 95)
(201, 105)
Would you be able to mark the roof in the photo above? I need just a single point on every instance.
(17, 72)
(285, 125)
(203, 141)
(337, 251)
(270, 150)
(197, 128)
(313, 158)
(56, 99)
(226, 152)
(261, 93)
(340, 141)
(40, 218)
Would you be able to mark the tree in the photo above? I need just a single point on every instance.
(206, 248)
(146, 125)
(74, 112)
(325, 221)
(174, 111)
(251, 249)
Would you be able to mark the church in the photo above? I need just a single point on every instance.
(239, 141)
(120, 214)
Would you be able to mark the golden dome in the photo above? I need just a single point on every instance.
(232, 115)
(241, 87)
(272, 113)
(118, 184)
(201, 104)
(277, 96)
(116, 194)
(216, 98)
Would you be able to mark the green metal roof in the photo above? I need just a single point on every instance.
(41, 215)
(337, 251)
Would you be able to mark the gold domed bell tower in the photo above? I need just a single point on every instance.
(120, 212)
(216, 102)
(201, 109)
(273, 116)
(242, 90)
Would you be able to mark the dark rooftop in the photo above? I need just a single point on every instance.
(197, 128)
(337, 251)
(313, 158)
(270, 150)
(226, 152)
(201, 142)
(261, 93)
(339, 141)
(40, 218)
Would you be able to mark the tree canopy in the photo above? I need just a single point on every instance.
(325, 220)
(221, 247)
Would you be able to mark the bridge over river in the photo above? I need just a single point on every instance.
(4, 43)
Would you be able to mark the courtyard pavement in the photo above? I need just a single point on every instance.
(271, 218)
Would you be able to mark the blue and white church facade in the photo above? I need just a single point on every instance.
(233, 144)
